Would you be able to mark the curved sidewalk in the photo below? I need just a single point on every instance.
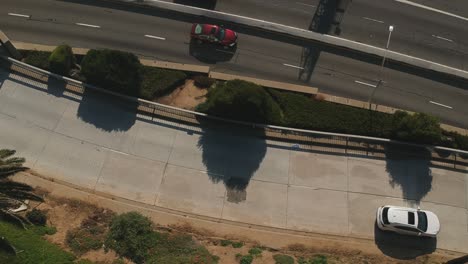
(102, 144)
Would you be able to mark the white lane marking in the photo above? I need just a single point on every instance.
(87, 25)
(367, 84)
(293, 66)
(299, 3)
(375, 20)
(116, 151)
(431, 9)
(439, 104)
(18, 15)
(155, 37)
(439, 37)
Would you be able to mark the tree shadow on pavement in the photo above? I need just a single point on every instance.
(409, 167)
(232, 155)
(107, 112)
(401, 246)
(206, 4)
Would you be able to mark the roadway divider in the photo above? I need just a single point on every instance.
(307, 140)
(302, 37)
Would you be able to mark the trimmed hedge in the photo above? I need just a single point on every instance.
(157, 82)
(61, 60)
(36, 58)
(242, 100)
(114, 70)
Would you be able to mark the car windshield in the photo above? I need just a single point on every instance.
(220, 35)
(422, 221)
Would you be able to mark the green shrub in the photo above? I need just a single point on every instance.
(320, 259)
(301, 111)
(157, 82)
(84, 261)
(242, 100)
(114, 70)
(203, 81)
(131, 236)
(37, 58)
(37, 217)
(81, 240)
(256, 252)
(247, 259)
(61, 60)
(237, 244)
(283, 259)
(418, 127)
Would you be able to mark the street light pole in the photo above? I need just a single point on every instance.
(390, 30)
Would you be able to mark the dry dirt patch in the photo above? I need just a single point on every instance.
(187, 96)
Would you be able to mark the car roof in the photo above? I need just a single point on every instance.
(403, 216)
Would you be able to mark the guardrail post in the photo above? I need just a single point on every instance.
(346, 149)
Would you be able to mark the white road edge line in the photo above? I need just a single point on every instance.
(367, 84)
(431, 9)
(18, 15)
(375, 20)
(155, 37)
(116, 151)
(439, 37)
(439, 104)
(292, 66)
(87, 25)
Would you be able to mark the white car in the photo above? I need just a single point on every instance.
(408, 221)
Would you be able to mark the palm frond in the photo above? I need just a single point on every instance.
(14, 218)
(5, 153)
(6, 246)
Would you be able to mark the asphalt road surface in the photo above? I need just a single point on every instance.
(89, 26)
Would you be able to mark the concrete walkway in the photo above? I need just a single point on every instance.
(224, 173)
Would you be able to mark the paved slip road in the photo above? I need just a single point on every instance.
(221, 172)
(54, 22)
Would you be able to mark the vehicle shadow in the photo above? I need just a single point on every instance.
(210, 53)
(231, 157)
(107, 112)
(401, 246)
(206, 4)
(409, 168)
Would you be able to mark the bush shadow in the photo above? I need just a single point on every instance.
(206, 4)
(231, 155)
(107, 112)
(409, 167)
(402, 246)
(210, 53)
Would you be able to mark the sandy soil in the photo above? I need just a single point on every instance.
(187, 96)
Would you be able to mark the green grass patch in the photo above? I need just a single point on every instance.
(37, 58)
(157, 82)
(32, 247)
(283, 259)
(319, 259)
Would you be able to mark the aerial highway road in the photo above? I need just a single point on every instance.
(83, 24)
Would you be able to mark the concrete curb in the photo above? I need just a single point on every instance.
(9, 47)
(265, 83)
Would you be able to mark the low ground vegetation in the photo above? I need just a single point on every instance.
(158, 82)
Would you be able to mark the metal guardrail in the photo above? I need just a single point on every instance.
(307, 140)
